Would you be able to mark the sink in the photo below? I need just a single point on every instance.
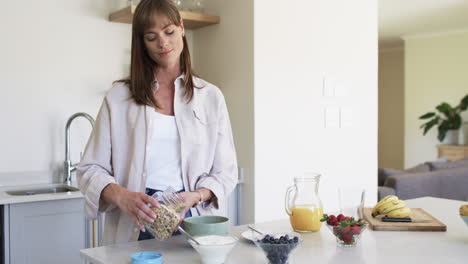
(43, 190)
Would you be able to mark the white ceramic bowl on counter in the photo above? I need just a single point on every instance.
(213, 253)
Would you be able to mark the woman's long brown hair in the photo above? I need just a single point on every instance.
(141, 65)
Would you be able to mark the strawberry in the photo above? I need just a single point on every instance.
(336, 230)
(346, 230)
(335, 224)
(348, 239)
(340, 217)
(356, 229)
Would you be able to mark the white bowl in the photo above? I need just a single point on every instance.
(465, 218)
(214, 254)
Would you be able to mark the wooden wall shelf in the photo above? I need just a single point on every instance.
(191, 20)
(453, 152)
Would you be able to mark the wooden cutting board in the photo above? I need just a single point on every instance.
(376, 224)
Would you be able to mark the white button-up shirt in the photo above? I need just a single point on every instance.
(118, 150)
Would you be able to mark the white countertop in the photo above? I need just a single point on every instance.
(6, 198)
(320, 247)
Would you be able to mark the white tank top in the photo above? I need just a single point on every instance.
(164, 163)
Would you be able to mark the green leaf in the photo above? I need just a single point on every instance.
(425, 124)
(427, 115)
(443, 128)
(441, 135)
(429, 126)
(445, 108)
(464, 103)
(457, 122)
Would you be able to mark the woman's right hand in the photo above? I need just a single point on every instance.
(132, 203)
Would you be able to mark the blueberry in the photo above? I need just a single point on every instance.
(267, 237)
(296, 239)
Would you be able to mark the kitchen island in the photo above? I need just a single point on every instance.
(320, 247)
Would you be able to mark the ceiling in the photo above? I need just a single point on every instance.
(399, 18)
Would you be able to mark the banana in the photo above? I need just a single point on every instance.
(390, 206)
(399, 213)
(384, 200)
(464, 210)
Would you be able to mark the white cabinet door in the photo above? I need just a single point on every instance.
(47, 232)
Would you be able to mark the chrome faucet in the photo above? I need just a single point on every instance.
(69, 167)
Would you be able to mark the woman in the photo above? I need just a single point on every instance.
(160, 127)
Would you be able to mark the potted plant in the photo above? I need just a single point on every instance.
(448, 120)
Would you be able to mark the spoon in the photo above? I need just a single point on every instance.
(188, 235)
(255, 230)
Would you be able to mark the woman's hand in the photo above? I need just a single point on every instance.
(194, 198)
(191, 199)
(132, 203)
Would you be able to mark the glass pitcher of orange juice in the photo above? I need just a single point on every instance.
(303, 204)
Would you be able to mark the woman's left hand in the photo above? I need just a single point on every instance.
(191, 199)
(194, 198)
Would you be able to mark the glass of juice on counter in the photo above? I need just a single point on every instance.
(303, 205)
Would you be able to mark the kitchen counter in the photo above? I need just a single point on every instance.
(6, 198)
(320, 247)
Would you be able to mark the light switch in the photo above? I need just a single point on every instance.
(328, 86)
(341, 89)
(332, 117)
(346, 117)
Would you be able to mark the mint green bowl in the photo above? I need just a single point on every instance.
(207, 225)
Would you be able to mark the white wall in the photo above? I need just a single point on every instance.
(224, 56)
(57, 58)
(391, 107)
(277, 106)
(296, 44)
(435, 72)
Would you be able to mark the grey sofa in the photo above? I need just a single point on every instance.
(437, 179)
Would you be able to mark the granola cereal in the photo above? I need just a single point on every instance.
(168, 216)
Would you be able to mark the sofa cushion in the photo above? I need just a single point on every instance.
(386, 172)
(419, 168)
(384, 191)
(448, 165)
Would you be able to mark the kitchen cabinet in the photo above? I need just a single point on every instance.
(191, 20)
(44, 232)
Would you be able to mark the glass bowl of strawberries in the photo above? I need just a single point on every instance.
(346, 229)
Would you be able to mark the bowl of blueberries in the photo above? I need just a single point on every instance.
(277, 246)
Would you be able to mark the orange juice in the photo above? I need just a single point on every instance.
(305, 218)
